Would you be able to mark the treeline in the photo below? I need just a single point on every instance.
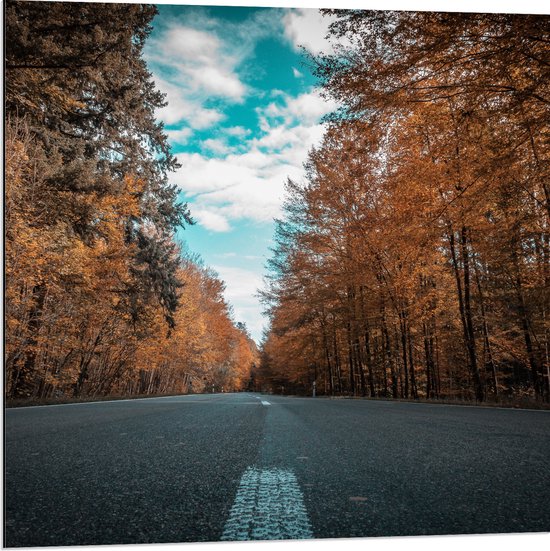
(414, 261)
(99, 299)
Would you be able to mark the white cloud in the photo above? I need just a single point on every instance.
(237, 131)
(211, 220)
(233, 188)
(186, 43)
(250, 184)
(183, 107)
(241, 289)
(306, 27)
(285, 141)
(200, 61)
(193, 66)
(179, 136)
(218, 82)
(296, 73)
(306, 108)
(233, 181)
(216, 146)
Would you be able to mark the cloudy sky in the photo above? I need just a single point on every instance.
(242, 114)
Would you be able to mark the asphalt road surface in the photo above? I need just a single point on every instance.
(244, 466)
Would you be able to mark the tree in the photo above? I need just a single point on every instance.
(423, 222)
(75, 73)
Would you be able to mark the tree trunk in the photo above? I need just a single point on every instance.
(327, 358)
(387, 356)
(464, 305)
(525, 326)
(490, 366)
(403, 330)
(22, 379)
(414, 390)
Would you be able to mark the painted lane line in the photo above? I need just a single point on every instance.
(269, 505)
(184, 399)
(264, 403)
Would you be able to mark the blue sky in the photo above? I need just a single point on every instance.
(242, 114)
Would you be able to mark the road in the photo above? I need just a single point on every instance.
(233, 466)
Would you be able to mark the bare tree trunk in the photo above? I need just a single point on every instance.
(404, 355)
(465, 308)
(525, 326)
(22, 380)
(386, 345)
(414, 390)
(488, 353)
(327, 358)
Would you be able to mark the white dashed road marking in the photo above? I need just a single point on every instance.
(269, 505)
(264, 403)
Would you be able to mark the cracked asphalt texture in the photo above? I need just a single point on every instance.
(167, 469)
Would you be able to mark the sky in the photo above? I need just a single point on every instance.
(243, 111)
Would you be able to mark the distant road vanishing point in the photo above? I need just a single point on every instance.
(255, 467)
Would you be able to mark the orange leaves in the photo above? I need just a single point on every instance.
(69, 317)
(415, 259)
(205, 345)
(90, 256)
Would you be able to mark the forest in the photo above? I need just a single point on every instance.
(414, 259)
(100, 299)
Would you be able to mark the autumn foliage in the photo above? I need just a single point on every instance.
(99, 298)
(414, 261)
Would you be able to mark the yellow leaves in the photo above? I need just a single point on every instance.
(205, 344)
(63, 100)
(122, 205)
(69, 298)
